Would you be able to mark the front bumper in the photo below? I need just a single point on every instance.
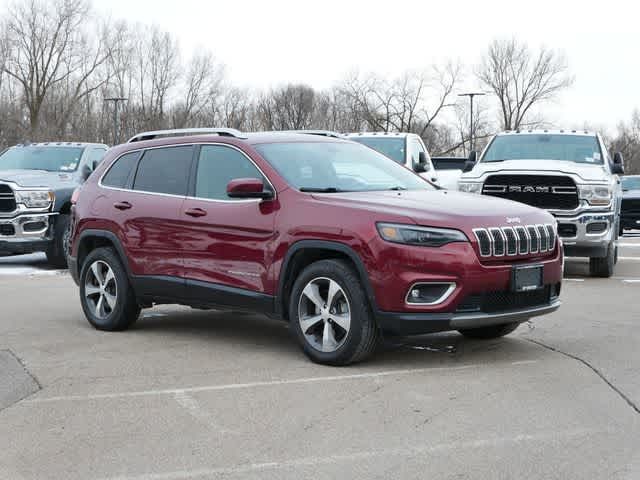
(26, 233)
(578, 238)
(424, 323)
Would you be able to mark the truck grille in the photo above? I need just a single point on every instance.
(496, 302)
(7, 198)
(551, 192)
(512, 241)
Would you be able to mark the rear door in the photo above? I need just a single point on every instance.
(226, 242)
(150, 215)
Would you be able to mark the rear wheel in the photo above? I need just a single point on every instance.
(57, 250)
(330, 314)
(487, 333)
(106, 296)
(603, 267)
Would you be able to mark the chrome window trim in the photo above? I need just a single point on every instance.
(439, 300)
(142, 149)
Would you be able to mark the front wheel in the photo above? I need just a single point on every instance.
(603, 267)
(57, 250)
(330, 314)
(487, 333)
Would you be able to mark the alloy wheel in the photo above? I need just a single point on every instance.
(324, 314)
(100, 289)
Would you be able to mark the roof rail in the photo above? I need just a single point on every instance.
(322, 133)
(182, 132)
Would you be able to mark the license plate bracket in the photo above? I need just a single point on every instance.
(526, 278)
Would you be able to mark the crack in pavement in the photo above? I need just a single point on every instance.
(17, 383)
(620, 393)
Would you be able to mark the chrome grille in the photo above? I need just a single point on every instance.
(512, 241)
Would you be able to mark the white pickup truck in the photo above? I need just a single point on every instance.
(407, 149)
(568, 173)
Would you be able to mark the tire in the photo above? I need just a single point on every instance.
(603, 267)
(326, 341)
(487, 333)
(57, 250)
(119, 308)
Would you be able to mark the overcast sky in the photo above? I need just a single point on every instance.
(269, 42)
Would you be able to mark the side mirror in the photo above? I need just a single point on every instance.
(471, 162)
(85, 172)
(95, 164)
(618, 164)
(248, 188)
(422, 165)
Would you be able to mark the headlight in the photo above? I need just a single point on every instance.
(470, 187)
(35, 198)
(596, 194)
(421, 236)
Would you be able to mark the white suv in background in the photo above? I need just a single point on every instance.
(407, 149)
(568, 173)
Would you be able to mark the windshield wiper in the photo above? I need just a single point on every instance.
(397, 188)
(321, 190)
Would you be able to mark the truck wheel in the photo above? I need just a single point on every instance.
(487, 333)
(57, 250)
(603, 267)
(106, 295)
(330, 314)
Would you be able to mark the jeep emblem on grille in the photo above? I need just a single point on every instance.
(513, 220)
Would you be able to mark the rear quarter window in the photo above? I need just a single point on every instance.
(119, 173)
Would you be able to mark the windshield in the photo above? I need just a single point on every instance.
(394, 148)
(574, 148)
(51, 159)
(631, 183)
(338, 167)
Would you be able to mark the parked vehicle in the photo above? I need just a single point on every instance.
(407, 149)
(337, 239)
(630, 211)
(449, 170)
(36, 184)
(568, 173)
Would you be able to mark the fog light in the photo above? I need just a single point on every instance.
(34, 226)
(597, 227)
(430, 293)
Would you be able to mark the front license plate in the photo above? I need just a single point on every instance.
(526, 278)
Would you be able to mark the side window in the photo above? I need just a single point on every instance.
(164, 170)
(119, 173)
(95, 157)
(217, 166)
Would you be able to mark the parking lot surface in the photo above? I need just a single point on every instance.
(192, 394)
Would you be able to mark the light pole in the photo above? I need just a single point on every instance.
(116, 101)
(471, 95)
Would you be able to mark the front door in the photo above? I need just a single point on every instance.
(227, 242)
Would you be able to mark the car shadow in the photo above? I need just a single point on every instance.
(248, 331)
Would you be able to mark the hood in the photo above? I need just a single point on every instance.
(587, 172)
(631, 194)
(439, 208)
(37, 178)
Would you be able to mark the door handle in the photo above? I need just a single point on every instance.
(122, 205)
(195, 212)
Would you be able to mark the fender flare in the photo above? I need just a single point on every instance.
(321, 245)
(112, 237)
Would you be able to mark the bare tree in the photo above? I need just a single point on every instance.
(521, 78)
(290, 107)
(47, 49)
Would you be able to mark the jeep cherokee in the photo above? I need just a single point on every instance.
(333, 237)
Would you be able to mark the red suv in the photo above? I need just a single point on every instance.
(338, 240)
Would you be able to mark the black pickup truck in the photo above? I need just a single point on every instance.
(36, 184)
(630, 211)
